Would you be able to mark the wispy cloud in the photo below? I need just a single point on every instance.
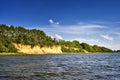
(100, 22)
(90, 41)
(117, 33)
(107, 37)
(83, 28)
(73, 29)
(57, 36)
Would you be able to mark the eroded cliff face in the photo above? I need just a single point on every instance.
(37, 50)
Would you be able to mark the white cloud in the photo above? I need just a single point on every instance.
(57, 23)
(50, 35)
(51, 21)
(57, 36)
(107, 37)
(114, 46)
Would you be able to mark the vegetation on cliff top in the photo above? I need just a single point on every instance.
(20, 35)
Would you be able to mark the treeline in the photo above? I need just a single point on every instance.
(20, 35)
(116, 51)
(75, 46)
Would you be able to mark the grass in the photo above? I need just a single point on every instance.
(25, 54)
(11, 54)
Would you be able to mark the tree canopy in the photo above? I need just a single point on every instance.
(20, 35)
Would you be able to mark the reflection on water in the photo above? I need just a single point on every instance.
(61, 67)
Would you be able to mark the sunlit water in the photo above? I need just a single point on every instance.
(61, 67)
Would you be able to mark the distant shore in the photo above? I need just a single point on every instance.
(24, 54)
(11, 54)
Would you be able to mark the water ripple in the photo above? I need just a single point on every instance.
(61, 67)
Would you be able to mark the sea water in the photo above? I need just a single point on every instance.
(61, 67)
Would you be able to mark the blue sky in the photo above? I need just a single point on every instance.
(91, 21)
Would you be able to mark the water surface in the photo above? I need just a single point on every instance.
(61, 67)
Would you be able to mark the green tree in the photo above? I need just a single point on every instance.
(87, 47)
(97, 48)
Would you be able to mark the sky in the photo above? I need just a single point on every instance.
(91, 21)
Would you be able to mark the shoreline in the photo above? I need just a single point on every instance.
(24, 54)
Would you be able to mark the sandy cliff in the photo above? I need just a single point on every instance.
(37, 50)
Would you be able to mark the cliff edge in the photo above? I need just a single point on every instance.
(37, 50)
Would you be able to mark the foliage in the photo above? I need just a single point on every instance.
(20, 35)
(6, 45)
(87, 47)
